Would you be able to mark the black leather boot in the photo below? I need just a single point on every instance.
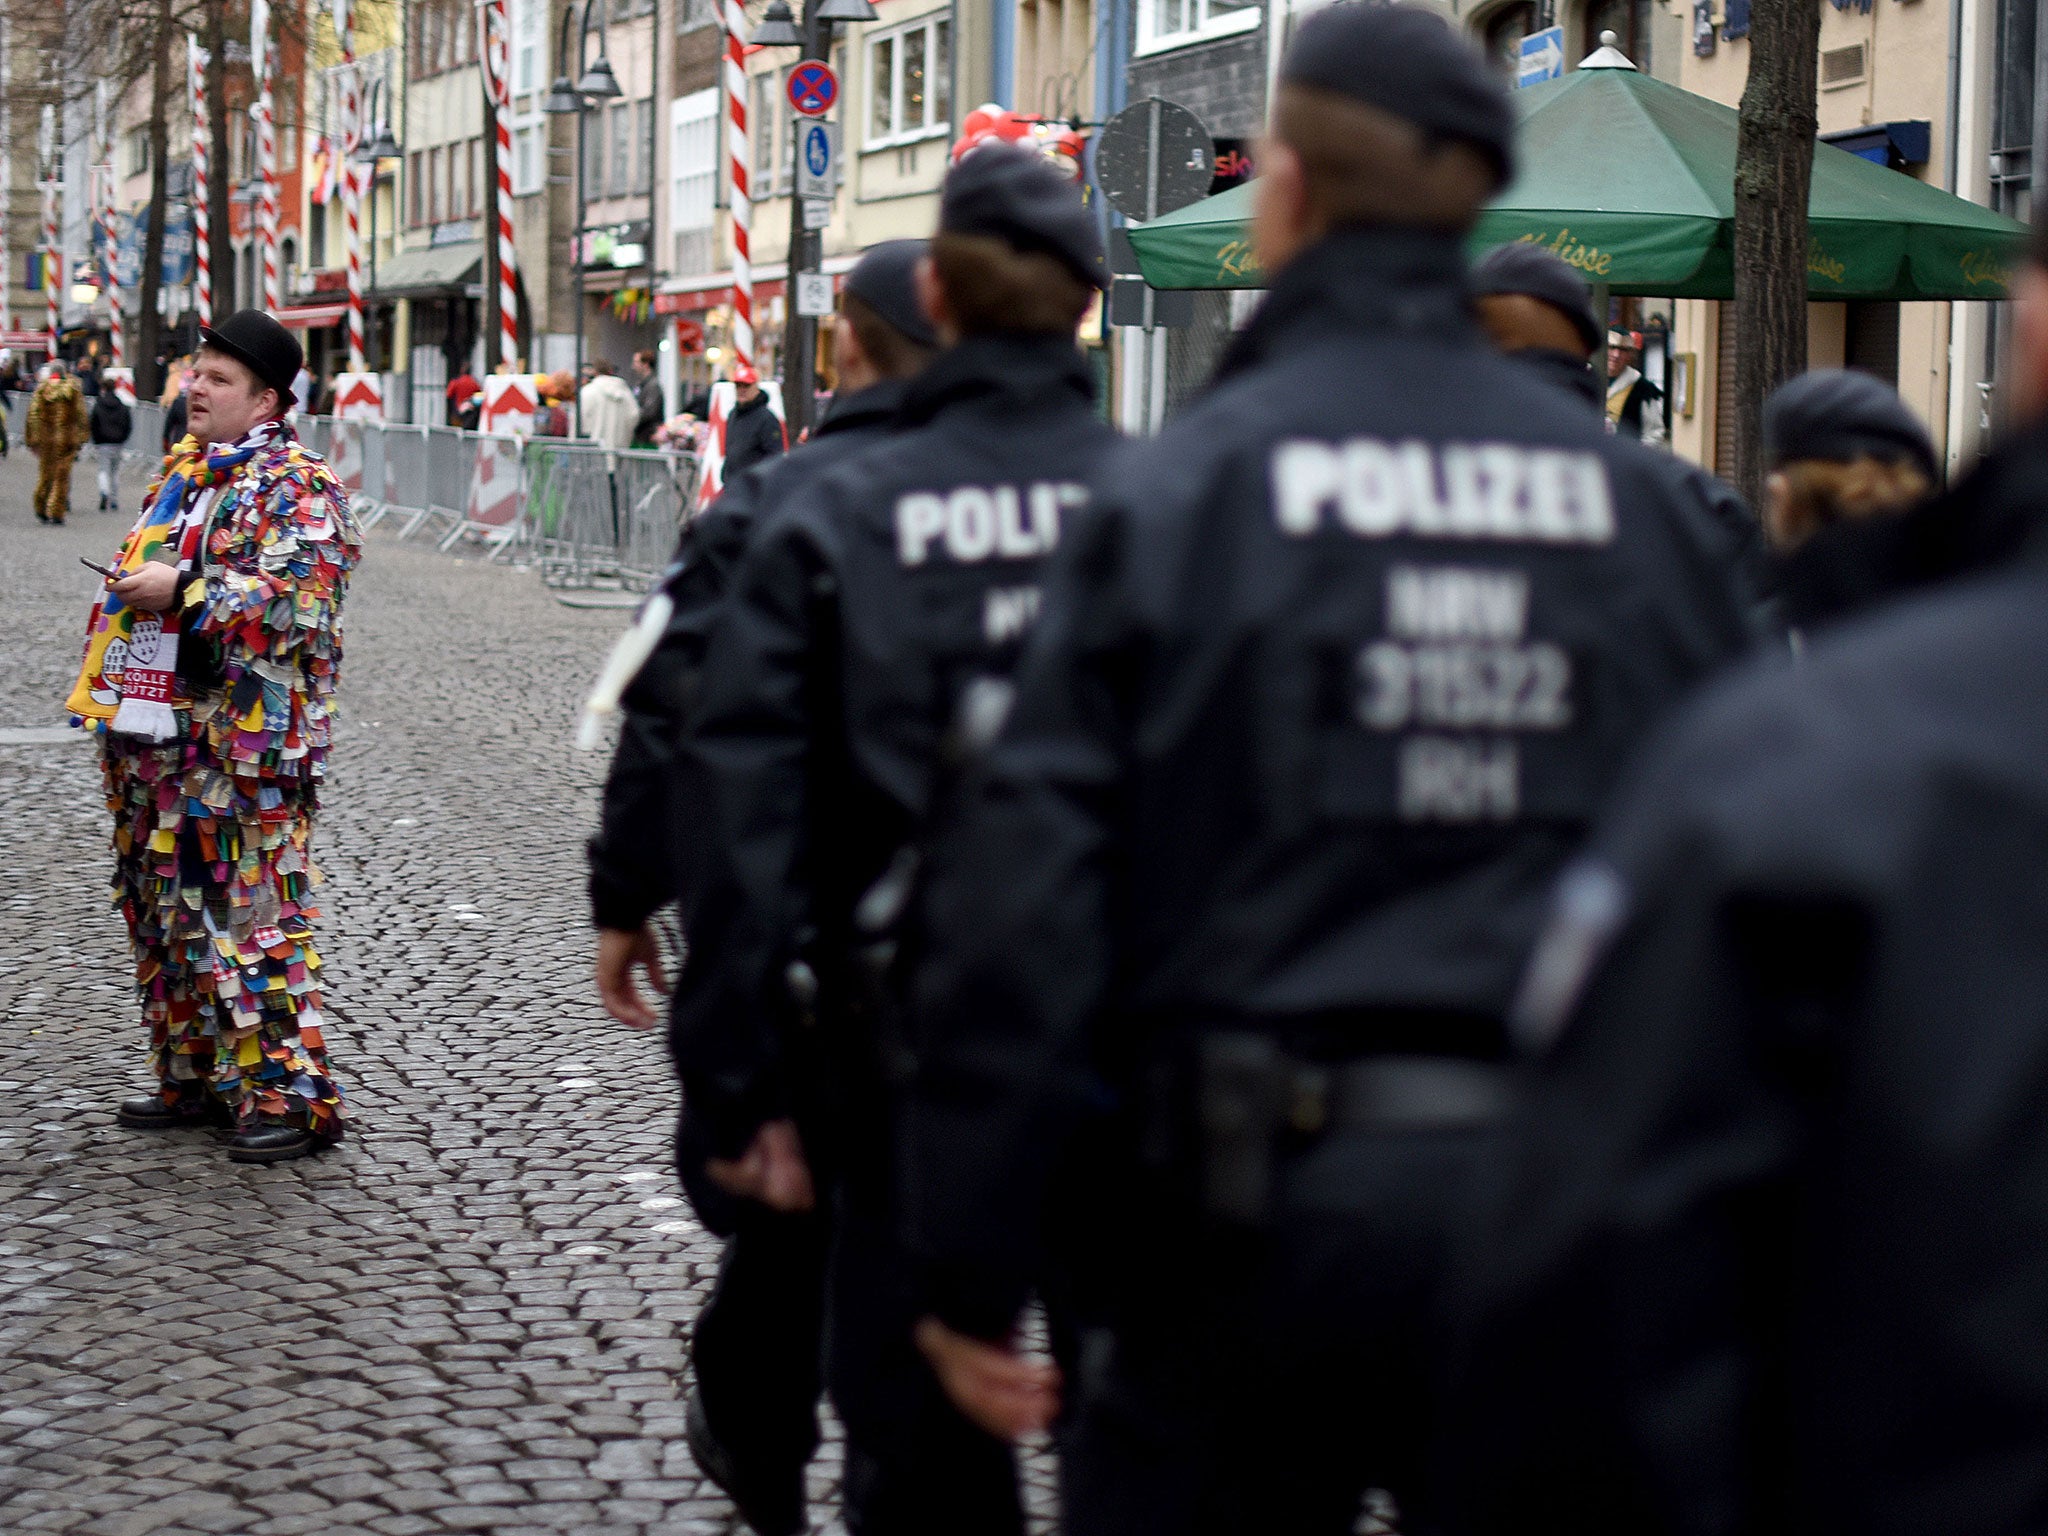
(149, 1112)
(272, 1144)
(771, 1511)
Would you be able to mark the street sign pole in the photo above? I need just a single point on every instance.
(806, 255)
(1152, 158)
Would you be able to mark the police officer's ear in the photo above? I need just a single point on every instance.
(1285, 219)
(2027, 382)
(931, 298)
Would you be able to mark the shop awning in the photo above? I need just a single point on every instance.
(686, 295)
(433, 270)
(1632, 180)
(312, 317)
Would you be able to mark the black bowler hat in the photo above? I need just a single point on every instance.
(885, 279)
(253, 337)
(1022, 199)
(1543, 275)
(1408, 63)
(1838, 415)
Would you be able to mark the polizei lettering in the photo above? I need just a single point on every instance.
(976, 523)
(1380, 490)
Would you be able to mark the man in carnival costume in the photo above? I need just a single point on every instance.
(210, 668)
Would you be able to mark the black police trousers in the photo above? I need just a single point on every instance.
(1264, 1380)
(757, 1343)
(914, 1466)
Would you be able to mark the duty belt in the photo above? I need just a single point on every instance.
(1253, 1097)
(1396, 1093)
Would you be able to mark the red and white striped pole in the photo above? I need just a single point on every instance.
(6, 180)
(497, 65)
(202, 238)
(110, 275)
(742, 205)
(53, 255)
(351, 187)
(265, 57)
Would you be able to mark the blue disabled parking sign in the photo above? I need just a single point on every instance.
(1541, 58)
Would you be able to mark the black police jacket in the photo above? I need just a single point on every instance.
(893, 590)
(1754, 570)
(1327, 691)
(1764, 1249)
(642, 848)
(753, 432)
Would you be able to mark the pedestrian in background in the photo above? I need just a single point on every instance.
(606, 407)
(111, 424)
(210, 668)
(55, 431)
(1631, 398)
(1761, 1249)
(465, 401)
(558, 396)
(753, 431)
(1218, 936)
(653, 410)
(176, 406)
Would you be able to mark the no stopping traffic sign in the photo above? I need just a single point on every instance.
(813, 88)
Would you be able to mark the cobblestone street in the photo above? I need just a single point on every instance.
(471, 1315)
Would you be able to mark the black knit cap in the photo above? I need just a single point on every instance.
(1838, 415)
(1543, 275)
(885, 279)
(1021, 198)
(253, 337)
(1408, 63)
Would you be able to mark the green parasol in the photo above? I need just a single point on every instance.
(1632, 181)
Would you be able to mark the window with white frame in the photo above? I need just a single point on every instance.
(693, 160)
(910, 80)
(529, 154)
(525, 26)
(620, 124)
(643, 145)
(767, 134)
(1170, 23)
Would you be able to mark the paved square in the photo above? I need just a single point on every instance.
(471, 1315)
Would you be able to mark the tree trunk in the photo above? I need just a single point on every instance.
(163, 91)
(220, 165)
(1773, 179)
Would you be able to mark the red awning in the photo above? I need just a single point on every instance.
(313, 317)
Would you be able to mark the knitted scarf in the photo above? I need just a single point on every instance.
(129, 675)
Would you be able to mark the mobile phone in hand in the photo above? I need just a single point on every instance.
(100, 568)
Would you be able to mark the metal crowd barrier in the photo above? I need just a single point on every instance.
(588, 517)
(147, 440)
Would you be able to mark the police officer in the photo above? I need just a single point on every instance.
(1538, 310)
(1225, 925)
(866, 640)
(752, 1418)
(1763, 1248)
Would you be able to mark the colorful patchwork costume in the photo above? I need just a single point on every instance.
(213, 820)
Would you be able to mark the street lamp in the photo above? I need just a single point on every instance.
(597, 83)
(779, 28)
(379, 147)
